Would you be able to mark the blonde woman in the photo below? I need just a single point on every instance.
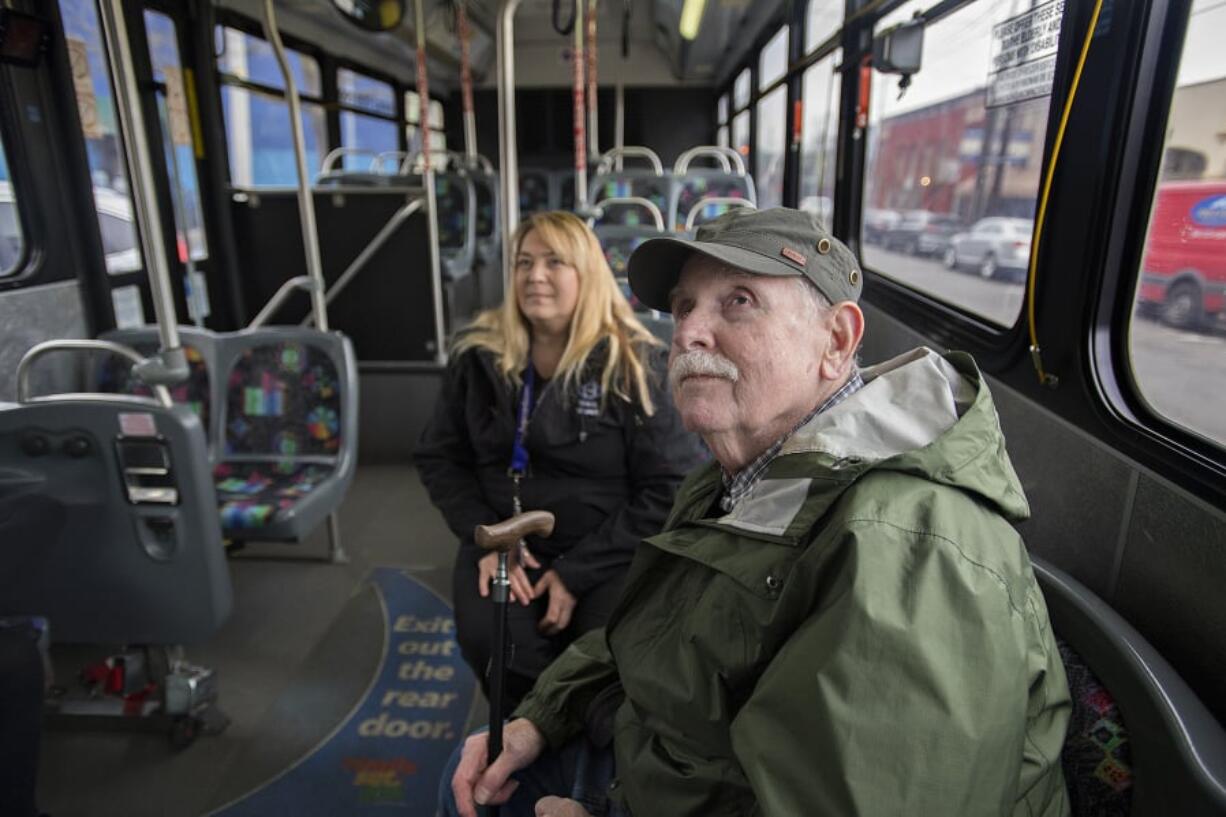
(557, 399)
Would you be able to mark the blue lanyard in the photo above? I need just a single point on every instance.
(519, 454)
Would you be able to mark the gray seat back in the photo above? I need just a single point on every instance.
(108, 522)
(1126, 695)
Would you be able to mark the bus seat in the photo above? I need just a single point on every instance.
(536, 191)
(114, 374)
(288, 447)
(108, 521)
(1140, 741)
(282, 427)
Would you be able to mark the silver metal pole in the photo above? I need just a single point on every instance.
(619, 125)
(306, 203)
(140, 168)
(507, 151)
(593, 112)
(423, 98)
(579, 112)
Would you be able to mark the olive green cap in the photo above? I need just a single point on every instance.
(780, 241)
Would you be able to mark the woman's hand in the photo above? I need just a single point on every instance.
(521, 588)
(561, 603)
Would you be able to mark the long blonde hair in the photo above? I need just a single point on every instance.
(601, 314)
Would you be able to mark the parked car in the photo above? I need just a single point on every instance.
(114, 220)
(877, 222)
(1183, 274)
(921, 232)
(995, 247)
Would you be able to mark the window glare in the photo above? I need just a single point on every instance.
(107, 167)
(1177, 336)
(819, 138)
(12, 242)
(773, 62)
(740, 90)
(822, 19)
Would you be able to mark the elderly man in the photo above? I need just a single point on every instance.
(838, 618)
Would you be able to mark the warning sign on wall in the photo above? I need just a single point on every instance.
(1024, 55)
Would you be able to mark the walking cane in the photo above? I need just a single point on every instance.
(501, 537)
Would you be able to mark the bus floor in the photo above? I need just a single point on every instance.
(296, 654)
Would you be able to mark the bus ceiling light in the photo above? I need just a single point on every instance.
(691, 18)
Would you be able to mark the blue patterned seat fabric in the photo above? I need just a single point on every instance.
(653, 188)
(252, 494)
(1097, 757)
(283, 402)
(696, 187)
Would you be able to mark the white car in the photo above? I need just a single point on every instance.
(114, 220)
(995, 247)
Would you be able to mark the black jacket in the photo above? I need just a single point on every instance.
(608, 473)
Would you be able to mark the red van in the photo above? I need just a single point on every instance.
(1184, 271)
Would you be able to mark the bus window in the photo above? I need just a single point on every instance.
(822, 19)
(1177, 337)
(721, 121)
(92, 81)
(740, 90)
(954, 162)
(772, 122)
(367, 116)
(740, 133)
(177, 130)
(12, 242)
(819, 137)
(259, 139)
(412, 113)
(773, 61)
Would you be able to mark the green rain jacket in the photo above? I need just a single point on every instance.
(861, 635)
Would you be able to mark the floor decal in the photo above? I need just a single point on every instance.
(387, 756)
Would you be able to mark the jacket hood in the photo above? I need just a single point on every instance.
(924, 414)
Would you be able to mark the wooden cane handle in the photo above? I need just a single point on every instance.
(505, 534)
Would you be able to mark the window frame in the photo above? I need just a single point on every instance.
(1142, 431)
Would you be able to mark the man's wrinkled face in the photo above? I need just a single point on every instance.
(745, 352)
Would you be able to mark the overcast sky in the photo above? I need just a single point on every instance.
(958, 49)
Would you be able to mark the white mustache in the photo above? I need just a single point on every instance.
(699, 362)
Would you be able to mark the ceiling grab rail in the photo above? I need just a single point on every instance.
(423, 96)
(170, 365)
(35, 352)
(709, 200)
(578, 94)
(593, 112)
(306, 203)
(508, 156)
(598, 211)
(464, 32)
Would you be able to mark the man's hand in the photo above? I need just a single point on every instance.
(478, 782)
(561, 603)
(521, 588)
(559, 807)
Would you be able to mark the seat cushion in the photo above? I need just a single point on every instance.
(1097, 757)
(257, 494)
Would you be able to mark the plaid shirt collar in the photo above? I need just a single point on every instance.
(737, 486)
